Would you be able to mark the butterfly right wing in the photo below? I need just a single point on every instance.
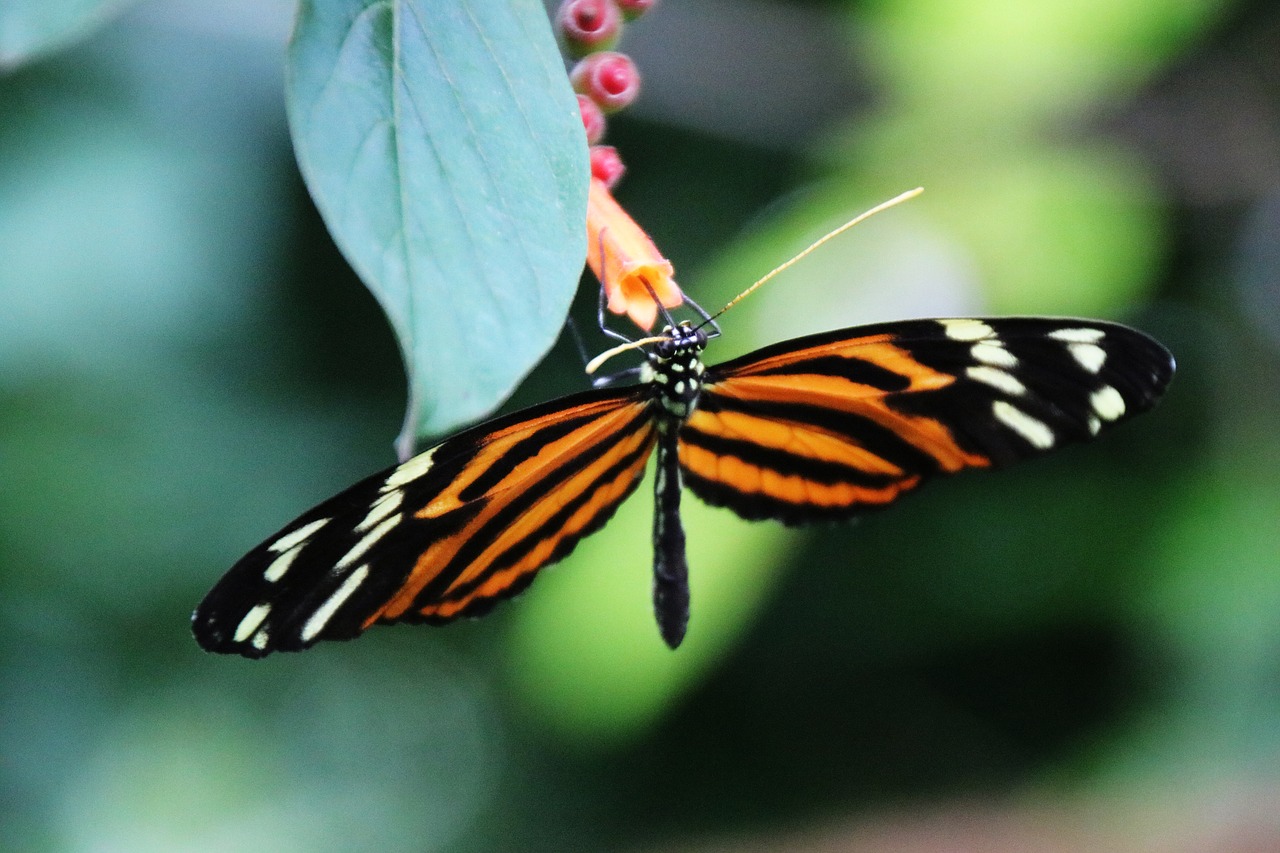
(830, 425)
(446, 534)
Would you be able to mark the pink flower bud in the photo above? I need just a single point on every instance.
(592, 119)
(587, 26)
(610, 79)
(606, 165)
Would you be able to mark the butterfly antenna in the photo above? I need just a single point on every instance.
(862, 217)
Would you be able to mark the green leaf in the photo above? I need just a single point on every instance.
(31, 27)
(443, 146)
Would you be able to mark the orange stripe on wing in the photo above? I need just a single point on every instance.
(803, 440)
(603, 501)
(877, 350)
(834, 393)
(497, 444)
(750, 479)
(611, 417)
(542, 512)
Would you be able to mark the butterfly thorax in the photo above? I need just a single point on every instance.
(674, 370)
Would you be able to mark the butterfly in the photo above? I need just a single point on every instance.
(816, 428)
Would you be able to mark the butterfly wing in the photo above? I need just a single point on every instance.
(445, 534)
(832, 424)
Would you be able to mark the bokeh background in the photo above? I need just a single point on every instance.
(1080, 654)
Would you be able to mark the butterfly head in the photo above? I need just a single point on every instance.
(680, 342)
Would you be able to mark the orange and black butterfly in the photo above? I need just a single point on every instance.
(820, 427)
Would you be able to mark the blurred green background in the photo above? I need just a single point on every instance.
(1079, 654)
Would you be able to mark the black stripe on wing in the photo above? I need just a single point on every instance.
(522, 530)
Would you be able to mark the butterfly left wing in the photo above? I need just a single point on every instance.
(445, 534)
(833, 424)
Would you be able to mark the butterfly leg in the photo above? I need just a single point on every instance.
(604, 328)
(670, 568)
(572, 328)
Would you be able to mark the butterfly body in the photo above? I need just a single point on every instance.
(675, 373)
(821, 427)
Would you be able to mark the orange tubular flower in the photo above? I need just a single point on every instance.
(631, 270)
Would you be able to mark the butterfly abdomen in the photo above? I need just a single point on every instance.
(670, 564)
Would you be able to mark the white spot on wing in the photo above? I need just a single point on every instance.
(367, 542)
(260, 640)
(993, 353)
(384, 506)
(1078, 336)
(1089, 356)
(1035, 432)
(297, 537)
(281, 564)
(999, 379)
(1108, 403)
(967, 329)
(325, 612)
(410, 471)
(251, 621)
